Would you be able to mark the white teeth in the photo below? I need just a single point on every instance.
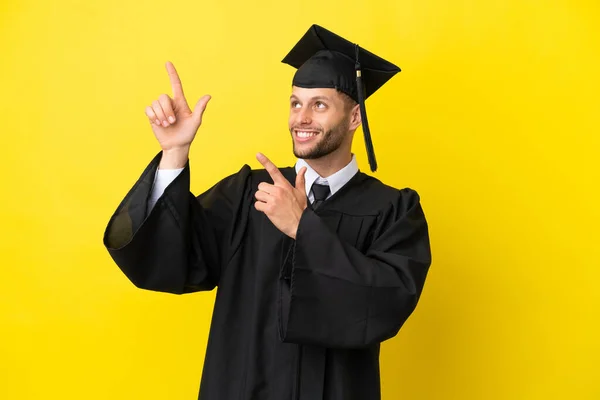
(303, 134)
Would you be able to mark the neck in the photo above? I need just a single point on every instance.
(331, 163)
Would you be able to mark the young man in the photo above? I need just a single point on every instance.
(315, 265)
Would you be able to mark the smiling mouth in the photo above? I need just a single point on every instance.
(300, 134)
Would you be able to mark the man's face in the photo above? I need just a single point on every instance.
(319, 122)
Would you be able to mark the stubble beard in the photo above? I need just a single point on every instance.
(329, 142)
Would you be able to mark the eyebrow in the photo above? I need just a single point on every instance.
(292, 97)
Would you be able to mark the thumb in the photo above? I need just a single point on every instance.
(200, 107)
(300, 179)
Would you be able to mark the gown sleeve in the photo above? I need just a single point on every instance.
(181, 244)
(338, 297)
(163, 178)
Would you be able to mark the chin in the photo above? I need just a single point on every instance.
(306, 155)
(303, 151)
(303, 155)
(313, 153)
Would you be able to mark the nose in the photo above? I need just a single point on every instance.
(304, 116)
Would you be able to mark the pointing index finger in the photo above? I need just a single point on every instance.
(273, 171)
(175, 81)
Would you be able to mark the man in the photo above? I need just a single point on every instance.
(315, 265)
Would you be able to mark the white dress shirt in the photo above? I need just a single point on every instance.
(335, 181)
(164, 177)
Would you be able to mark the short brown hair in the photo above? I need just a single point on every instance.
(349, 102)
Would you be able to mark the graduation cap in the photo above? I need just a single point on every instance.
(327, 60)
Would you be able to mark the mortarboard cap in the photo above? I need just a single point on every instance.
(326, 60)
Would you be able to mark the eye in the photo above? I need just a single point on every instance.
(320, 105)
(295, 104)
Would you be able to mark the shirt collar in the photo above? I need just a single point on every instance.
(335, 181)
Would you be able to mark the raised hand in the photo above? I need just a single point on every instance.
(281, 202)
(173, 122)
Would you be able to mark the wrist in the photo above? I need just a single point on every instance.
(294, 229)
(174, 158)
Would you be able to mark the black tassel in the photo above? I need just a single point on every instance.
(363, 115)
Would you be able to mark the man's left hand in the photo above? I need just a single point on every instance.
(281, 202)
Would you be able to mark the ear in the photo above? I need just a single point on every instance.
(355, 118)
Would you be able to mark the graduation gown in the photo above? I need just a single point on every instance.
(293, 319)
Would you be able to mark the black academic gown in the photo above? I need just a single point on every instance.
(293, 319)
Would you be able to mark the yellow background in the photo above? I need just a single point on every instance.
(494, 120)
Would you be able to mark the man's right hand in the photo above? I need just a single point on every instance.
(174, 123)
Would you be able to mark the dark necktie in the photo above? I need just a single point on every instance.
(320, 192)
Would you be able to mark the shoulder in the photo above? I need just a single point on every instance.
(239, 178)
(384, 195)
(261, 175)
(247, 179)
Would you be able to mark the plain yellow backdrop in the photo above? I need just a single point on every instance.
(494, 120)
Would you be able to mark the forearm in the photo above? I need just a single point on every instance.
(160, 250)
(163, 178)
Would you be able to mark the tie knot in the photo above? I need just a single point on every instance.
(320, 191)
